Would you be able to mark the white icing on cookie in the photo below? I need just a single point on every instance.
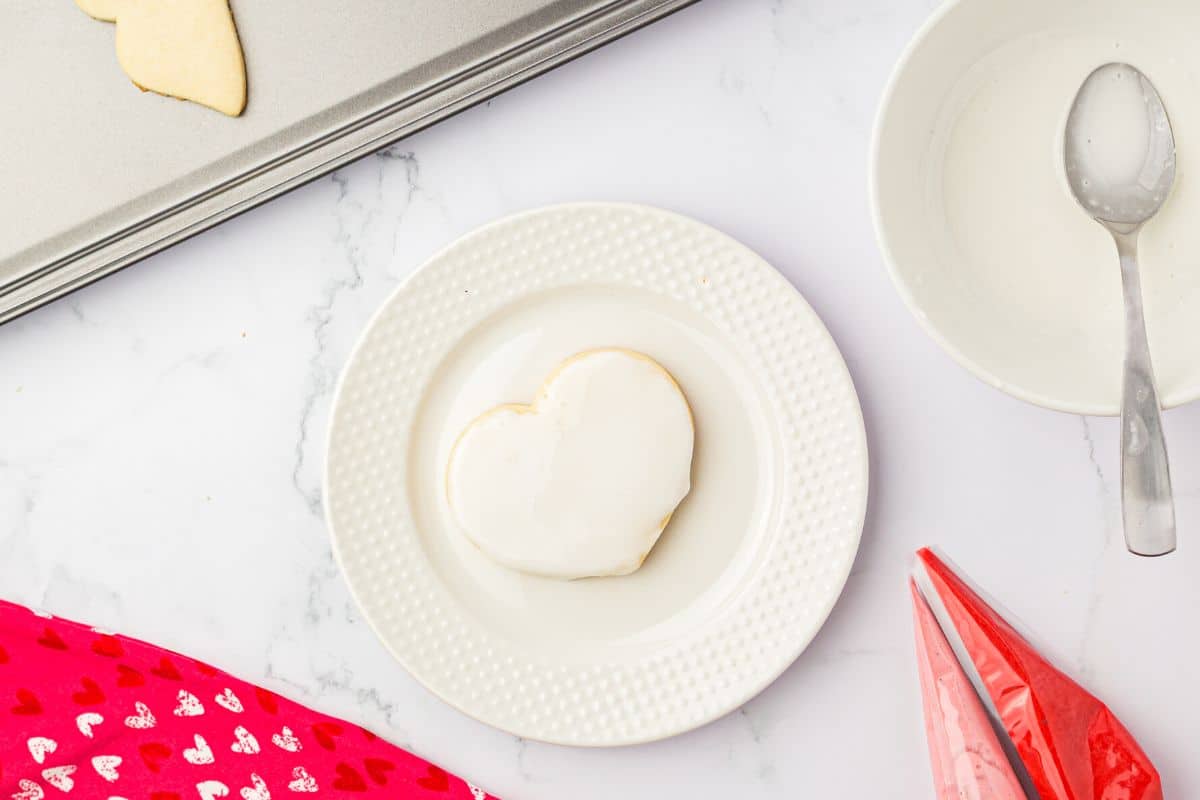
(582, 482)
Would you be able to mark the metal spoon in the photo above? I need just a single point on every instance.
(1120, 160)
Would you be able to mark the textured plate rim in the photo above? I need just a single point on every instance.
(855, 522)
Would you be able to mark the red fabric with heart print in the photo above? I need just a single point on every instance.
(104, 716)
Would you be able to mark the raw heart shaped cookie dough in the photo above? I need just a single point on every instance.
(182, 48)
(582, 482)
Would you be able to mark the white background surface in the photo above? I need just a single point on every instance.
(162, 432)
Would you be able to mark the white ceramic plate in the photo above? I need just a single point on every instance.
(753, 559)
(973, 211)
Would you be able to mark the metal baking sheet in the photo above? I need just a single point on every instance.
(98, 174)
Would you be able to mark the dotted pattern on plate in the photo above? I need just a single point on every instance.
(688, 681)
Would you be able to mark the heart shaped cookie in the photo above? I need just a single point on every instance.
(181, 48)
(582, 482)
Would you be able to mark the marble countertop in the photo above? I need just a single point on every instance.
(162, 432)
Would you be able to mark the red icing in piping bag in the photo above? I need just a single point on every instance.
(966, 755)
(1072, 746)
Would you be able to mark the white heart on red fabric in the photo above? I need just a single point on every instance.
(229, 701)
(40, 746)
(86, 721)
(257, 791)
(246, 743)
(200, 754)
(30, 790)
(188, 706)
(143, 720)
(60, 777)
(210, 790)
(106, 767)
(303, 781)
(286, 740)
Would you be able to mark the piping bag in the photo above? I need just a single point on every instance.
(1002, 722)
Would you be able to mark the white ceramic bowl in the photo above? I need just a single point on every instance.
(974, 216)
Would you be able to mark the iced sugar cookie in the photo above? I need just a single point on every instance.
(581, 482)
(182, 48)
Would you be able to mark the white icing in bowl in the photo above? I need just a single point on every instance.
(978, 225)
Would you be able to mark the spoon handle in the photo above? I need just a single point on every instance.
(1146, 502)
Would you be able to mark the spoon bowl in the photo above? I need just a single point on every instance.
(1119, 151)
